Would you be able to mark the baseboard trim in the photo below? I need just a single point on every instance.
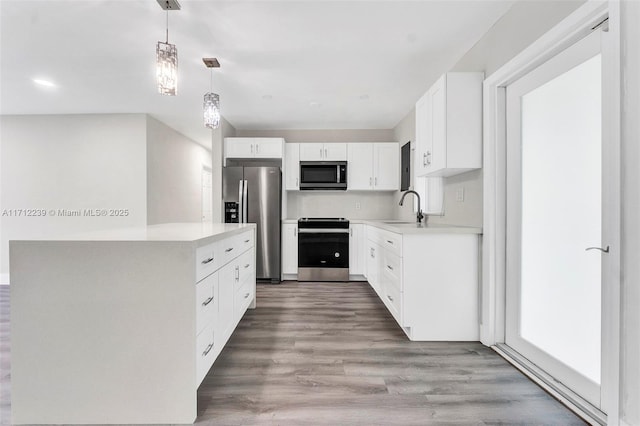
(585, 410)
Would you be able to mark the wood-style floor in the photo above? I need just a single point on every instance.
(330, 354)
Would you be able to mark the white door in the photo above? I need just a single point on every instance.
(386, 166)
(360, 166)
(311, 151)
(335, 152)
(290, 248)
(292, 166)
(422, 135)
(267, 147)
(207, 195)
(437, 145)
(554, 204)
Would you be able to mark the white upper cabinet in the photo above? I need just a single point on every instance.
(373, 166)
(386, 166)
(360, 166)
(323, 152)
(292, 166)
(449, 126)
(253, 147)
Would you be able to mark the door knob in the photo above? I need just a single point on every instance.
(604, 250)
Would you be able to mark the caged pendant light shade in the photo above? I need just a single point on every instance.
(167, 57)
(211, 104)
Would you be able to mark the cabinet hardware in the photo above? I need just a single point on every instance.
(252, 148)
(228, 250)
(237, 273)
(389, 267)
(297, 184)
(295, 232)
(206, 302)
(209, 260)
(247, 295)
(428, 158)
(325, 153)
(351, 232)
(320, 152)
(424, 159)
(246, 266)
(604, 250)
(246, 241)
(370, 181)
(389, 297)
(206, 351)
(375, 181)
(390, 242)
(257, 148)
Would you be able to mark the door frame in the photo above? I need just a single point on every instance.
(493, 316)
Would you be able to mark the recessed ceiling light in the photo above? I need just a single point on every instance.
(364, 97)
(267, 97)
(44, 83)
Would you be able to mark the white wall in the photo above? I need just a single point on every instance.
(373, 205)
(174, 175)
(525, 22)
(630, 288)
(70, 162)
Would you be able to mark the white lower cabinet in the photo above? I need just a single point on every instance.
(357, 260)
(289, 249)
(223, 297)
(428, 282)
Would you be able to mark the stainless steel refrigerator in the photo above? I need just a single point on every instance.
(253, 195)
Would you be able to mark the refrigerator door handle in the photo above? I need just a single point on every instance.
(240, 201)
(245, 211)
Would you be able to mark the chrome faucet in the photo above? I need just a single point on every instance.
(419, 216)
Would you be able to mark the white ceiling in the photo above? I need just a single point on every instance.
(284, 64)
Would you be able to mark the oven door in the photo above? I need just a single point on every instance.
(323, 254)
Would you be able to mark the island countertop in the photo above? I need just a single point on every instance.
(199, 233)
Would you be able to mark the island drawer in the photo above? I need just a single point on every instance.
(205, 352)
(206, 301)
(207, 260)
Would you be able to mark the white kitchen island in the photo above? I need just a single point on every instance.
(121, 326)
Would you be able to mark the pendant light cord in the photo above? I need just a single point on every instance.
(167, 27)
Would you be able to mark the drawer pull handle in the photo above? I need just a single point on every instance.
(209, 260)
(390, 267)
(206, 351)
(246, 266)
(247, 295)
(389, 297)
(390, 242)
(206, 302)
(246, 241)
(228, 250)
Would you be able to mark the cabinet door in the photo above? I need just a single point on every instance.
(238, 148)
(335, 152)
(268, 147)
(373, 255)
(311, 152)
(289, 248)
(292, 166)
(437, 155)
(356, 249)
(360, 168)
(227, 278)
(423, 135)
(386, 166)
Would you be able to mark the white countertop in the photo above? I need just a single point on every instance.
(407, 227)
(168, 232)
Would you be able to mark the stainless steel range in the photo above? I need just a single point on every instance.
(323, 249)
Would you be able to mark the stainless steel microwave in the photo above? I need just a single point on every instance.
(323, 175)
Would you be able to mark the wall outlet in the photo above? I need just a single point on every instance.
(460, 195)
(357, 205)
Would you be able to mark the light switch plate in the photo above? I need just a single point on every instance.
(460, 195)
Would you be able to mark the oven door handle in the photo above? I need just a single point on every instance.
(323, 230)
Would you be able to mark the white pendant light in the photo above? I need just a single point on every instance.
(167, 57)
(211, 105)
